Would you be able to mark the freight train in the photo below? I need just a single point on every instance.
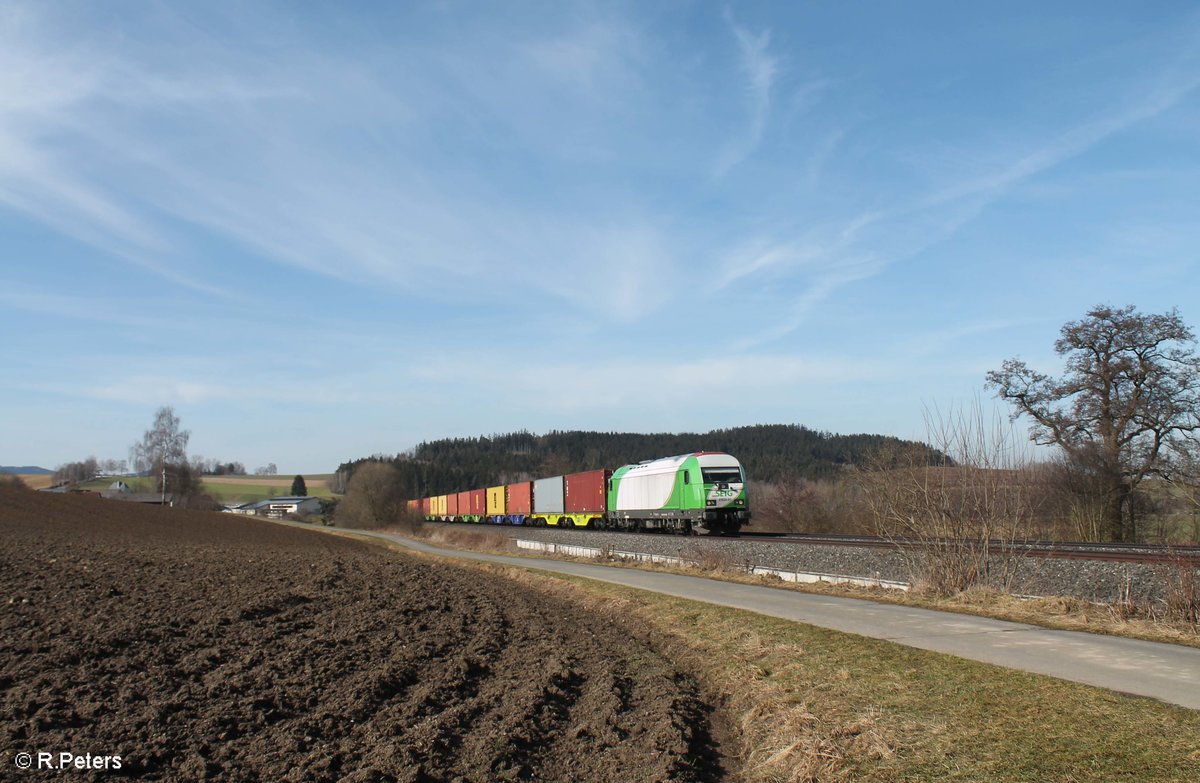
(704, 492)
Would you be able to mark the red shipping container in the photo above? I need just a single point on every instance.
(520, 498)
(452, 505)
(464, 504)
(424, 505)
(478, 503)
(586, 493)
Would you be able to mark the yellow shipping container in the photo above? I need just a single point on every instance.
(438, 506)
(495, 500)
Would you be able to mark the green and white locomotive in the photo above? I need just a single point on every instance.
(703, 492)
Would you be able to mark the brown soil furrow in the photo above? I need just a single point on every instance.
(199, 647)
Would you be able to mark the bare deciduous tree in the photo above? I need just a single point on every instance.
(1130, 392)
(164, 444)
(113, 467)
(373, 497)
(76, 472)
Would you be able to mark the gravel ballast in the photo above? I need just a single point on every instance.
(1091, 580)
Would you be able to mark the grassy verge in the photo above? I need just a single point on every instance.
(811, 704)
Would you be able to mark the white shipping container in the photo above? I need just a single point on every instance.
(548, 495)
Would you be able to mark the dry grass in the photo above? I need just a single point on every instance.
(475, 540)
(37, 480)
(1073, 614)
(1058, 612)
(1182, 604)
(708, 560)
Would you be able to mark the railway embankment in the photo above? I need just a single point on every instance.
(1100, 581)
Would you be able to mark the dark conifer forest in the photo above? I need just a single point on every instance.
(769, 452)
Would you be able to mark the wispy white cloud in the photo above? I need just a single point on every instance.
(759, 68)
(334, 167)
(1158, 97)
(817, 288)
(151, 390)
(820, 156)
(764, 253)
(73, 308)
(588, 59)
(49, 94)
(826, 258)
(934, 342)
(652, 380)
(130, 380)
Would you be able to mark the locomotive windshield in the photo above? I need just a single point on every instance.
(722, 475)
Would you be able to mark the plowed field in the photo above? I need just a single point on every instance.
(207, 646)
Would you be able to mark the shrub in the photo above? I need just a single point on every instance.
(961, 524)
(372, 497)
(9, 481)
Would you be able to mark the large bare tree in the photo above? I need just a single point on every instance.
(163, 445)
(1127, 403)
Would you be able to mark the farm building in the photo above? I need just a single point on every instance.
(280, 507)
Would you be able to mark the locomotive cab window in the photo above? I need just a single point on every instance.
(722, 475)
(687, 477)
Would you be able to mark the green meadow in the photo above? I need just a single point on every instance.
(232, 489)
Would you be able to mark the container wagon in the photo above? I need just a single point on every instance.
(585, 501)
(496, 506)
(477, 510)
(548, 501)
(518, 503)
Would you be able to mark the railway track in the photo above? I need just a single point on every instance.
(1073, 550)
(1067, 550)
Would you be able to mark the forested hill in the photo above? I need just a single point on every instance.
(769, 452)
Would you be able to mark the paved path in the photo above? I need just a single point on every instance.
(1167, 672)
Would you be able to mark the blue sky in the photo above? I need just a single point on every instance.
(326, 230)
